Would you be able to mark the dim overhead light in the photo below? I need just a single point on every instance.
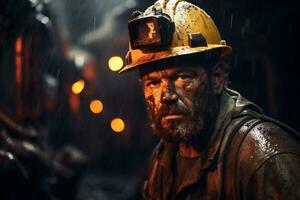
(96, 106)
(115, 63)
(117, 125)
(78, 86)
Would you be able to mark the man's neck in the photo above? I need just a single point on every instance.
(188, 151)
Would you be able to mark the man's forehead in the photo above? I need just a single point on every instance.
(169, 70)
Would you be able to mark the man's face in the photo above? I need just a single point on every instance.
(181, 103)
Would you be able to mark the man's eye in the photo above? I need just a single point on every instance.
(153, 83)
(184, 77)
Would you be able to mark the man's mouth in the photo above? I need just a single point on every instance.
(173, 116)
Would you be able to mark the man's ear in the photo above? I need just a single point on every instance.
(218, 74)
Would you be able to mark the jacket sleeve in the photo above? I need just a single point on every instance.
(277, 178)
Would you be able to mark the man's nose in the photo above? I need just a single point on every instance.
(169, 95)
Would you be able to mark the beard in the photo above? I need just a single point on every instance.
(194, 128)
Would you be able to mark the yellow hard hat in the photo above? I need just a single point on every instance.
(168, 29)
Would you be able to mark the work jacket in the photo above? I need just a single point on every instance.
(250, 156)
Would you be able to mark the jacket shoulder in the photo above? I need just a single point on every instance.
(263, 142)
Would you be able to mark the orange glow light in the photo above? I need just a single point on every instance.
(74, 101)
(96, 106)
(19, 45)
(78, 86)
(18, 60)
(117, 125)
(115, 63)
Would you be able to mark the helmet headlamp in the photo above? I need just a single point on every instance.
(151, 32)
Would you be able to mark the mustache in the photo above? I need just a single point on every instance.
(178, 108)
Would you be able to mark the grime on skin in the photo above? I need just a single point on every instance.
(181, 101)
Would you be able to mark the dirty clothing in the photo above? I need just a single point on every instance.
(250, 156)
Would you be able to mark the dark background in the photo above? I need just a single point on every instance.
(263, 34)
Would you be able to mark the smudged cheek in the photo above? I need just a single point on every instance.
(187, 93)
(153, 101)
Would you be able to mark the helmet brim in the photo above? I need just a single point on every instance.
(148, 58)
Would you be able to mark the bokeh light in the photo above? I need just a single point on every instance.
(96, 106)
(78, 86)
(117, 125)
(115, 63)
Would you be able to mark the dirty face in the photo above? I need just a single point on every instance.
(181, 103)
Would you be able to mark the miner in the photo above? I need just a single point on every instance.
(214, 144)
